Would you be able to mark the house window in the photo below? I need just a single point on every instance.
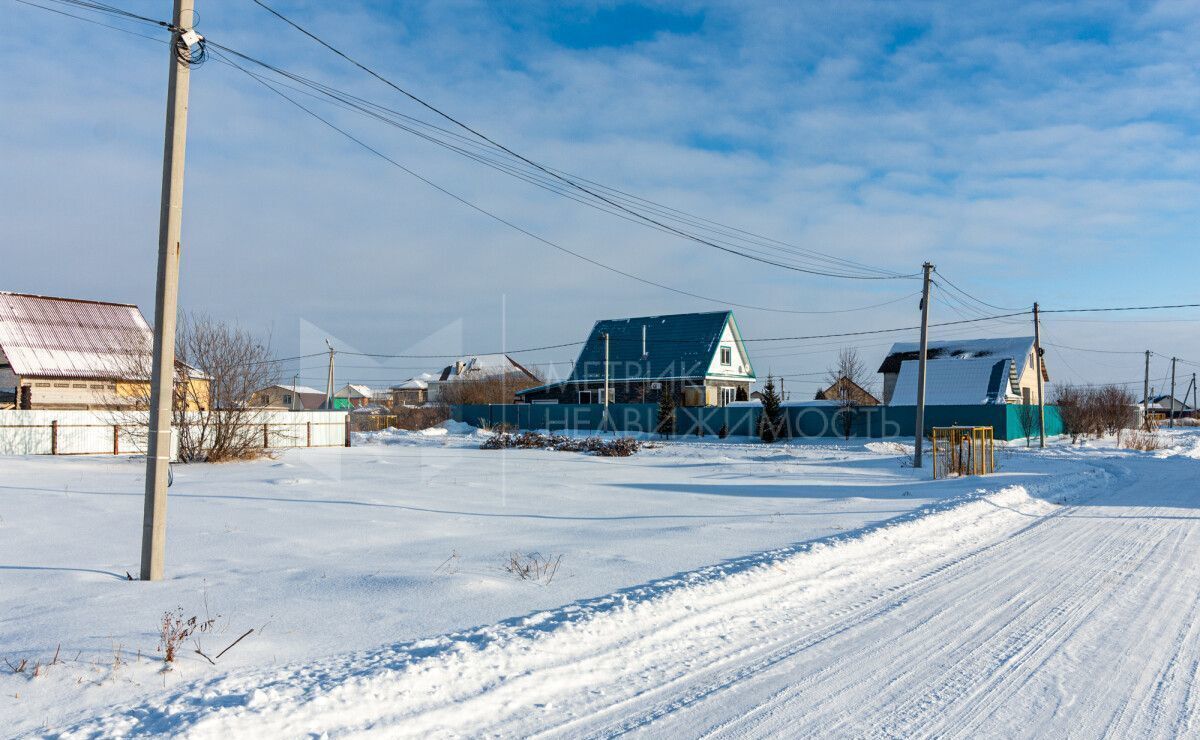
(726, 356)
(1030, 360)
(287, 399)
(1025, 396)
(728, 395)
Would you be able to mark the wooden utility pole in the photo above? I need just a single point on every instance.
(1171, 400)
(166, 301)
(921, 360)
(1037, 353)
(329, 380)
(1146, 394)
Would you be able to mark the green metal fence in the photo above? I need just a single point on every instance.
(877, 422)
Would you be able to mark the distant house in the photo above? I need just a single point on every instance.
(963, 372)
(845, 389)
(698, 357)
(479, 368)
(289, 397)
(412, 392)
(67, 353)
(356, 395)
(1164, 405)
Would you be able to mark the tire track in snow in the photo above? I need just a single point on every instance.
(892, 598)
(827, 680)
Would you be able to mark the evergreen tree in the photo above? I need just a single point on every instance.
(666, 411)
(768, 423)
(742, 394)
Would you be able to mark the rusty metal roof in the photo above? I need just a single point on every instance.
(50, 337)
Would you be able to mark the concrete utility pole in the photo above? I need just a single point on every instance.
(329, 380)
(1146, 394)
(1037, 352)
(292, 405)
(921, 360)
(1171, 401)
(1194, 389)
(166, 303)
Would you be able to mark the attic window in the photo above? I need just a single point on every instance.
(726, 356)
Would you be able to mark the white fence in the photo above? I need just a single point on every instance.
(103, 433)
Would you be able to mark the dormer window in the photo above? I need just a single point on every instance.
(726, 356)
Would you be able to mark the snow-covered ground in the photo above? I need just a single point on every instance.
(722, 587)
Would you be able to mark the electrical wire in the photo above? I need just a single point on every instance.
(490, 214)
(568, 181)
(952, 285)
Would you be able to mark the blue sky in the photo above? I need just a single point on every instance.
(1042, 151)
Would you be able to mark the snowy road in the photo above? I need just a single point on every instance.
(1009, 615)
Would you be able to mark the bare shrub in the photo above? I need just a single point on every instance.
(497, 389)
(1027, 418)
(1098, 411)
(1114, 410)
(533, 567)
(1073, 409)
(175, 630)
(1144, 441)
(410, 418)
(619, 447)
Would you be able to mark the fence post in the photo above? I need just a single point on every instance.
(308, 431)
(116, 439)
(54, 437)
(266, 438)
(347, 430)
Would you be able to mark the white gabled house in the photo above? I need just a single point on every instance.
(963, 372)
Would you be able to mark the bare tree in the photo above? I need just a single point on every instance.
(1026, 417)
(848, 377)
(218, 368)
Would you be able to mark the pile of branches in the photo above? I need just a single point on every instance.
(619, 447)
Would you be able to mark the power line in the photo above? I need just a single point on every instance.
(570, 182)
(543, 180)
(951, 284)
(883, 331)
(1119, 308)
(501, 219)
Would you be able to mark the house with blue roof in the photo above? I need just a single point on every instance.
(698, 357)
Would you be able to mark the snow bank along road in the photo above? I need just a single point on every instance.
(1072, 611)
